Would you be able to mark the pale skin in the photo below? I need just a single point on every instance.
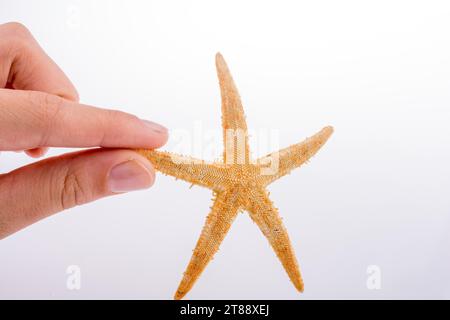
(39, 109)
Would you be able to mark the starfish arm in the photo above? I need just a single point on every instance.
(235, 135)
(282, 162)
(194, 171)
(266, 216)
(218, 222)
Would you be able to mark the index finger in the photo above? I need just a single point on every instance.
(31, 119)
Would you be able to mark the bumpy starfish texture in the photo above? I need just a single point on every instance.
(238, 184)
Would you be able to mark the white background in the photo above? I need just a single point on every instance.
(376, 194)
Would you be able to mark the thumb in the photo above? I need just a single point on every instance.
(36, 191)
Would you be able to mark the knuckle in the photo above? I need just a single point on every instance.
(47, 108)
(16, 34)
(15, 40)
(50, 103)
(16, 29)
(72, 191)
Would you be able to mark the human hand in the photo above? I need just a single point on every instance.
(39, 109)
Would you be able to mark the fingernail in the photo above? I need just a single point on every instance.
(155, 126)
(130, 176)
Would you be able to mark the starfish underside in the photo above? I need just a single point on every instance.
(238, 184)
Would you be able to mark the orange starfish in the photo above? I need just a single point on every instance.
(238, 184)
